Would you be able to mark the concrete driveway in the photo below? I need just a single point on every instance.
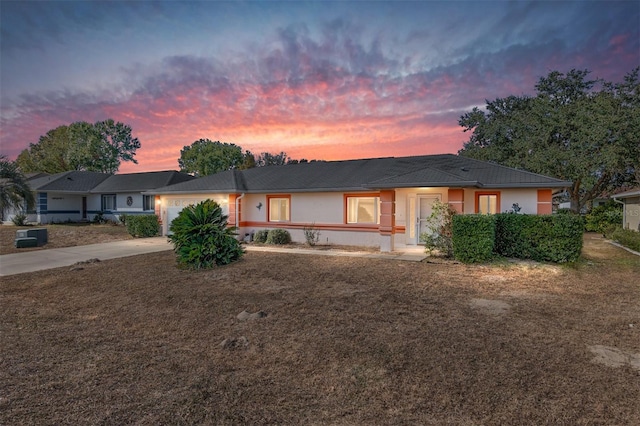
(18, 263)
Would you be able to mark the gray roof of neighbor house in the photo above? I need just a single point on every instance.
(446, 170)
(635, 192)
(139, 182)
(71, 181)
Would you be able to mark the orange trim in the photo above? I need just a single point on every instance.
(545, 205)
(269, 197)
(321, 226)
(400, 229)
(345, 204)
(456, 199)
(387, 212)
(478, 194)
(232, 209)
(544, 196)
(156, 206)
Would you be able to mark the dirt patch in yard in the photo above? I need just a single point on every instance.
(339, 341)
(64, 236)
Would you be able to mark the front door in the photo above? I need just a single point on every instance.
(425, 209)
(420, 209)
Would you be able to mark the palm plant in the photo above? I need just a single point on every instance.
(201, 237)
(15, 192)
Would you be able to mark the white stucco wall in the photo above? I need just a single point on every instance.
(632, 213)
(527, 199)
(61, 208)
(171, 205)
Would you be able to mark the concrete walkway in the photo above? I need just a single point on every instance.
(18, 263)
(409, 255)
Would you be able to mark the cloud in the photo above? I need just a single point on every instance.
(327, 91)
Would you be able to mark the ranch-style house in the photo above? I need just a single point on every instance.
(378, 202)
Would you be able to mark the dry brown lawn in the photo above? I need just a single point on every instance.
(66, 235)
(345, 341)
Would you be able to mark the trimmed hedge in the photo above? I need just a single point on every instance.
(473, 237)
(146, 225)
(548, 238)
(513, 235)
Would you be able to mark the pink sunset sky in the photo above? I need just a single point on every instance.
(318, 80)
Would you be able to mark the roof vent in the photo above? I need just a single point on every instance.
(464, 169)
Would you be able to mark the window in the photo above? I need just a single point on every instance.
(363, 209)
(148, 202)
(108, 202)
(487, 203)
(278, 208)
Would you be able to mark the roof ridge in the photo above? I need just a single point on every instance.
(509, 167)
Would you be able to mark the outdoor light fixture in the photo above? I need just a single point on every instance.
(259, 206)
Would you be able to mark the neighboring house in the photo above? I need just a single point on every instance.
(123, 193)
(631, 208)
(381, 202)
(64, 197)
(75, 196)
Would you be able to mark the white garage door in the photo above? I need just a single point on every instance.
(175, 206)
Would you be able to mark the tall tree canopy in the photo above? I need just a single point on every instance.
(268, 159)
(204, 157)
(568, 130)
(98, 147)
(14, 189)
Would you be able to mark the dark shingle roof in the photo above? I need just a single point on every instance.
(445, 170)
(634, 192)
(71, 181)
(138, 182)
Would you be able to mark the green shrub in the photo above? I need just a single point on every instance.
(261, 236)
(19, 220)
(557, 238)
(99, 218)
(122, 219)
(513, 237)
(473, 237)
(603, 216)
(311, 234)
(146, 225)
(440, 229)
(627, 237)
(201, 237)
(278, 236)
(552, 238)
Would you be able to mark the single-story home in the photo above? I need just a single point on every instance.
(75, 196)
(631, 208)
(379, 202)
(126, 193)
